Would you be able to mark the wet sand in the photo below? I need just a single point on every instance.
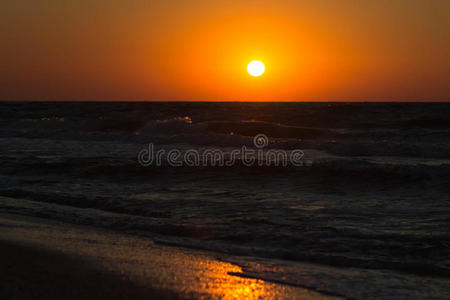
(54, 260)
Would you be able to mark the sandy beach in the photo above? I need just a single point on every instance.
(53, 260)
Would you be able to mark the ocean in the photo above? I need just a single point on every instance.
(366, 215)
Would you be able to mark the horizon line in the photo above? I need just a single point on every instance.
(236, 101)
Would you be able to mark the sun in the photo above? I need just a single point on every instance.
(256, 68)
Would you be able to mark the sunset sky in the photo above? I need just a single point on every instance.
(341, 50)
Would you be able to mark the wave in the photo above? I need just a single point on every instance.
(122, 161)
(414, 142)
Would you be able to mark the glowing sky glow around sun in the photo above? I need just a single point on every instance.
(137, 50)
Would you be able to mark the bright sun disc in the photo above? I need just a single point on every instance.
(256, 68)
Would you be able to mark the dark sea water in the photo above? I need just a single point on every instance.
(371, 210)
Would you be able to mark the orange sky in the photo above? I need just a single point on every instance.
(340, 50)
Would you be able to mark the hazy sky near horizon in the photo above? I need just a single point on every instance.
(329, 50)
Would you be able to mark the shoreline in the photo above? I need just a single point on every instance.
(50, 259)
